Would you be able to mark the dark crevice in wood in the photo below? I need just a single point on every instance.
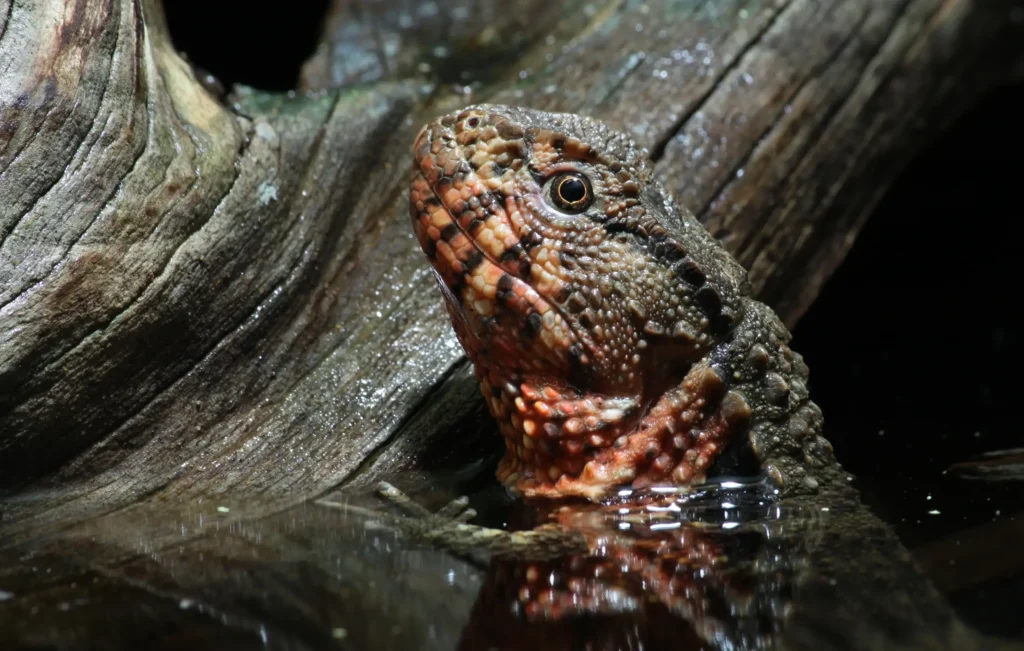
(6, 18)
(237, 43)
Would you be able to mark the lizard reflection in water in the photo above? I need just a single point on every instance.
(616, 346)
(713, 567)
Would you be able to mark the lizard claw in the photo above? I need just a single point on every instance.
(456, 510)
(447, 529)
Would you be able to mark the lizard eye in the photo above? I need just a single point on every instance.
(571, 192)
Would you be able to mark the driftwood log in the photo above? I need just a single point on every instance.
(201, 296)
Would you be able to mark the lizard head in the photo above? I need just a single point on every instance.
(565, 266)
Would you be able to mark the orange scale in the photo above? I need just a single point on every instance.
(457, 207)
(573, 427)
(567, 408)
(463, 246)
(523, 291)
(508, 238)
(439, 219)
(515, 219)
(493, 221)
(493, 273)
(446, 253)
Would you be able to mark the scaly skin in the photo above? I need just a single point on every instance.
(616, 345)
(614, 339)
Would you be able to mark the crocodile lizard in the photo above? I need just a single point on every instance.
(615, 340)
(617, 346)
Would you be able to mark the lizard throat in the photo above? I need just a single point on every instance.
(560, 443)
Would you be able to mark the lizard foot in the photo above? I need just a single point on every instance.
(448, 529)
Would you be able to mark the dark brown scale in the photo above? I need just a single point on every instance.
(513, 253)
(458, 285)
(444, 184)
(667, 249)
(475, 260)
(531, 241)
(575, 302)
(449, 232)
(723, 322)
(709, 299)
(499, 197)
(524, 268)
(568, 260)
(505, 283)
(690, 271)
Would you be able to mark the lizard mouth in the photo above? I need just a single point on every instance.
(464, 209)
(510, 329)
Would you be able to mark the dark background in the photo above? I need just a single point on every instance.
(913, 344)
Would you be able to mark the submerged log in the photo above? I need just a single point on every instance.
(201, 297)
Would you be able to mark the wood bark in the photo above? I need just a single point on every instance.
(200, 297)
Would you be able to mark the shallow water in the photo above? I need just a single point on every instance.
(724, 567)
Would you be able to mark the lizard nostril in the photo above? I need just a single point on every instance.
(472, 122)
